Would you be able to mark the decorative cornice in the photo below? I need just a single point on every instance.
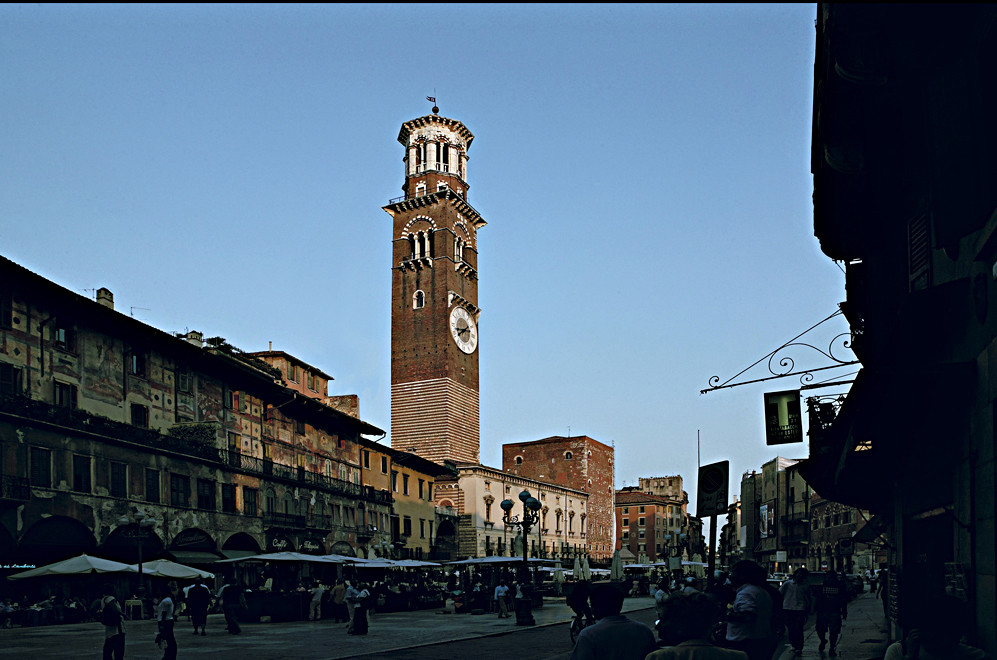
(438, 197)
(453, 124)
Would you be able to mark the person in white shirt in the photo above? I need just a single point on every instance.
(164, 616)
(501, 593)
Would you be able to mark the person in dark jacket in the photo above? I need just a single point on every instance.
(831, 600)
(232, 600)
(198, 600)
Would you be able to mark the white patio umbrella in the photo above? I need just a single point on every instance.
(559, 575)
(586, 570)
(170, 569)
(415, 563)
(576, 570)
(616, 568)
(76, 566)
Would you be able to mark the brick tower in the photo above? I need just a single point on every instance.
(434, 296)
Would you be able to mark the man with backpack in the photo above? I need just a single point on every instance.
(112, 618)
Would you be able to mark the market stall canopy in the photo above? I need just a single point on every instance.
(290, 557)
(76, 566)
(496, 560)
(415, 563)
(170, 569)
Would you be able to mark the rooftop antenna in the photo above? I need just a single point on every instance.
(145, 309)
(432, 99)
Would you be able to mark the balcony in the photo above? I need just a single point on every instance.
(267, 468)
(284, 520)
(14, 489)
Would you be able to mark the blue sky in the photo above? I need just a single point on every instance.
(644, 171)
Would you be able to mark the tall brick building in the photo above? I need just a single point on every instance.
(577, 462)
(434, 302)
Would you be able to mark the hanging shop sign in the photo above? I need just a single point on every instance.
(711, 499)
(783, 422)
(193, 539)
(763, 521)
(279, 543)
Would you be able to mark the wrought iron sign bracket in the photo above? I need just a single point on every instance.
(783, 367)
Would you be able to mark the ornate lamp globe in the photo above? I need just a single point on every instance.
(533, 504)
(525, 495)
(506, 505)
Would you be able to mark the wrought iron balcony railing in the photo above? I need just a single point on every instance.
(15, 489)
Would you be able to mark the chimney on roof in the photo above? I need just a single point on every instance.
(194, 337)
(105, 297)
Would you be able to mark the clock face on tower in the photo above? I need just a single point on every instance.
(464, 332)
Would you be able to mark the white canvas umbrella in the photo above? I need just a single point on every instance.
(576, 570)
(559, 575)
(170, 569)
(586, 570)
(77, 566)
(616, 568)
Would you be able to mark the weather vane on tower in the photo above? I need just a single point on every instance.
(432, 99)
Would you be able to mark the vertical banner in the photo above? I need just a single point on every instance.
(783, 422)
(763, 521)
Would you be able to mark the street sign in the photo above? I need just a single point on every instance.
(711, 499)
(783, 423)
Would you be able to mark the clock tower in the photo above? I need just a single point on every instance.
(434, 296)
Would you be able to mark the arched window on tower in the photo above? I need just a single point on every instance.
(420, 163)
(420, 189)
(411, 246)
(567, 456)
(444, 157)
(519, 460)
(430, 248)
(418, 300)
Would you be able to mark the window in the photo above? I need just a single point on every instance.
(418, 300)
(136, 365)
(41, 467)
(299, 427)
(81, 474)
(429, 491)
(404, 484)
(271, 501)
(119, 479)
(640, 521)
(10, 380)
(640, 533)
(384, 465)
(642, 510)
(63, 336)
(626, 534)
(626, 522)
(626, 510)
(567, 455)
(152, 486)
(228, 498)
(422, 528)
(394, 481)
(292, 373)
(65, 395)
(184, 380)
(6, 310)
(140, 416)
(407, 526)
(519, 460)
(179, 490)
(366, 459)
(250, 501)
(641, 547)
(421, 487)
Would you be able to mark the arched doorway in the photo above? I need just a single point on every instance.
(342, 548)
(54, 539)
(445, 546)
(122, 544)
(241, 541)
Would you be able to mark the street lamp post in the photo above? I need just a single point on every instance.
(145, 525)
(680, 543)
(531, 516)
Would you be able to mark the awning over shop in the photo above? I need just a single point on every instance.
(195, 557)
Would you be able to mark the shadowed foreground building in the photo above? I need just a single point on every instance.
(905, 196)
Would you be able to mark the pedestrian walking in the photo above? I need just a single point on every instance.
(749, 622)
(338, 596)
(351, 605)
(614, 636)
(232, 599)
(660, 596)
(831, 600)
(198, 601)
(165, 620)
(315, 606)
(112, 617)
(501, 595)
(362, 606)
(684, 630)
(797, 600)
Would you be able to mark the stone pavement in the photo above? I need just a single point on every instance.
(863, 634)
(275, 641)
